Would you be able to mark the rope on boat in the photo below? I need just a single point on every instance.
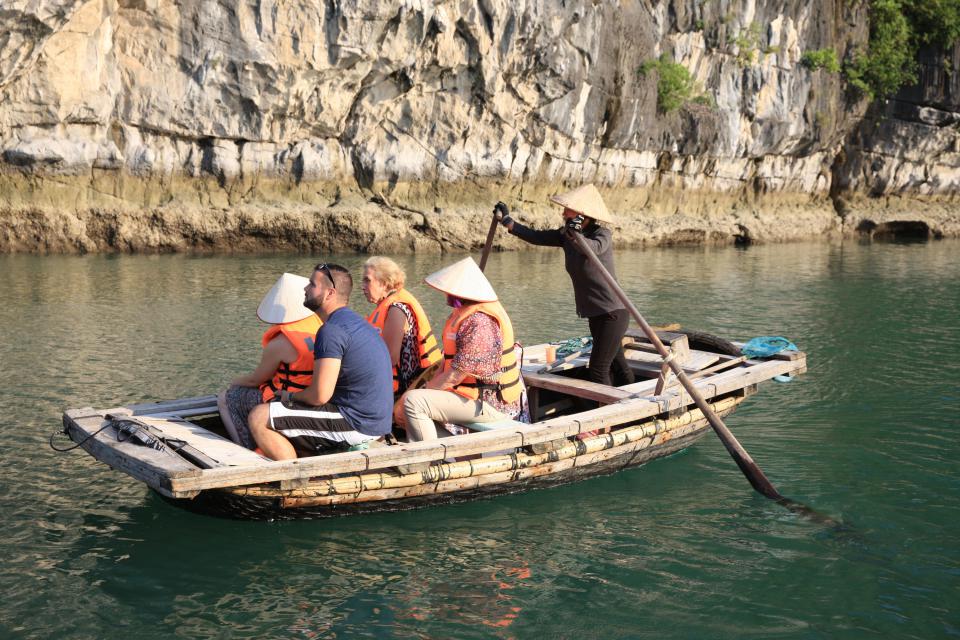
(765, 346)
(132, 429)
(63, 432)
(572, 345)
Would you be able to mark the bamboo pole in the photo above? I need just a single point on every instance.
(438, 483)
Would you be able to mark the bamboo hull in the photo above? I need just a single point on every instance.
(462, 481)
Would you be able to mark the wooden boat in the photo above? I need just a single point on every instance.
(180, 450)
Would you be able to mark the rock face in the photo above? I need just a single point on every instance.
(395, 125)
(900, 169)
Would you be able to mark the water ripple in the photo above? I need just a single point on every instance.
(678, 548)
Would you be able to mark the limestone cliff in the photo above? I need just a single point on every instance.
(395, 125)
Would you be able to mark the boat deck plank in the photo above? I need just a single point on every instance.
(157, 469)
(534, 367)
(696, 361)
(224, 451)
(574, 387)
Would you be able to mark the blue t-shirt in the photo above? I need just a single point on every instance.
(364, 391)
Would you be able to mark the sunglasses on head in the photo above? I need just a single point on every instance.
(323, 268)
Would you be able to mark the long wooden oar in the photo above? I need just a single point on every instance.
(489, 243)
(749, 468)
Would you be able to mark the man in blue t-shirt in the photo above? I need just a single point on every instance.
(350, 399)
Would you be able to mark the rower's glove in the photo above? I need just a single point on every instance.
(575, 224)
(502, 213)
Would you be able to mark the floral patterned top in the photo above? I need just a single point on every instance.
(479, 345)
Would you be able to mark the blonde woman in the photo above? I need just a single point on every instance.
(402, 322)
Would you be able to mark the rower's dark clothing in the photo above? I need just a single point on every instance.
(591, 293)
(608, 364)
(594, 298)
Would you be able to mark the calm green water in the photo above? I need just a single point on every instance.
(679, 548)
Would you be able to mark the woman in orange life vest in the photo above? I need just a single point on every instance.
(480, 379)
(286, 361)
(402, 322)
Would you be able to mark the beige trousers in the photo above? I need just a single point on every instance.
(424, 406)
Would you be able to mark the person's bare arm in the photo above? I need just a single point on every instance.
(446, 380)
(393, 330)
(277, 351)
(325, 374)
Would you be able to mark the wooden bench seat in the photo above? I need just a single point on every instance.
(574, 387)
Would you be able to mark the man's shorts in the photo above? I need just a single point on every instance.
(321, 429)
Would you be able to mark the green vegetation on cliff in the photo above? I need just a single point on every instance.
(821, 59)
(934, 22)
(674, 82)
(898, 28)
(675, 85)
(889, 62)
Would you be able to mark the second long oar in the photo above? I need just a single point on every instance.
(489, 243)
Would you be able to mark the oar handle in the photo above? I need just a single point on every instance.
(489, 243)
(749, 468)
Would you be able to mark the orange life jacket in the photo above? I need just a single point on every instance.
(298, 374)
(427, 348)
(508, 386)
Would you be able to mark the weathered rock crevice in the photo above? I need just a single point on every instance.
(152, 125)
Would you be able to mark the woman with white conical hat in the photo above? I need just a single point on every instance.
(480, 379)
(583, 211)
(286, 361)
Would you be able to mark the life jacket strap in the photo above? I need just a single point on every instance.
(489, 385)
(285, 369)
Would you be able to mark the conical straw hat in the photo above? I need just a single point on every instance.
(464, 280)
(585, 200)
(284, 302)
